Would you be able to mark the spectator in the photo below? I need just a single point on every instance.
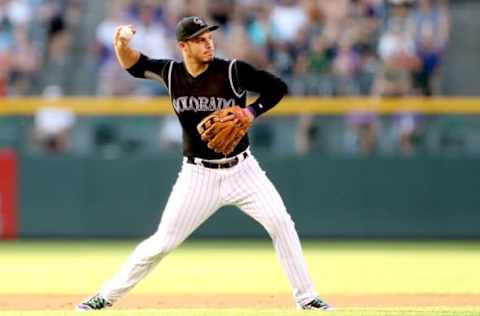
(153, 39)
(171, 133)
(398, 64)
(243, 49)
(398, 59)
(287, 38)
(409, 133)
(346, 66)
(53, 124)
(6, 43)
(19, 12)
(294, 13)
(62, 22)
(221, 12)
(113, 81)
(56, 59)
(362, 134)
(25, 63)
(319, 67)
(431, 34)
(259, 33)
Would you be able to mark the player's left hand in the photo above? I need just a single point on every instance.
(223, 129)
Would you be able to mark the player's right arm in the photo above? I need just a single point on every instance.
(137, 64)
(126, 56)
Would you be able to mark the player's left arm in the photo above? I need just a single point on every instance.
(270, 88)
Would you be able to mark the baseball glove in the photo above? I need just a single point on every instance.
(223, 129)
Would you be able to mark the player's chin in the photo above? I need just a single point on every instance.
(208, 57)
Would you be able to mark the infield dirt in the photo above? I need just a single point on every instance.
(278, 301)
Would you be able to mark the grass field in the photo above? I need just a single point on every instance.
(341, 270)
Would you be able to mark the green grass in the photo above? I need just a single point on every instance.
(245, 267)
(338, 267)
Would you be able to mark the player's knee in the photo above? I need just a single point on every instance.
(168, 247)
(160, 246)
(281, 224)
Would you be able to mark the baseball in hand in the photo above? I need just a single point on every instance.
(126, 32)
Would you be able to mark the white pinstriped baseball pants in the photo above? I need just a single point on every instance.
(196, 195)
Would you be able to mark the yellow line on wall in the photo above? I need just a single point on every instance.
(89, 106)
(289, 106)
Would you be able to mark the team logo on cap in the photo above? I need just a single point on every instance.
(198, 21)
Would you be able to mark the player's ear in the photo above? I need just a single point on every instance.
(182, 45)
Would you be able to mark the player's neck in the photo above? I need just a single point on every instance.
(194, 68)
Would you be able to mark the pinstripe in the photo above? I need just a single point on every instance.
(180, 189)
(211, 195)
(286, 250)
(196, 195)
(215, 193)
(276, 206)
(178, 213)
(196, 199)
(175, 226)
(270, 213)
(225, 188)
(208, 196)
(239, 194)
(194, 208)
(146, 255)
(183, 212)
(291, 240)
(260, 205)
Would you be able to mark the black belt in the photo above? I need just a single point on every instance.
(217, 165)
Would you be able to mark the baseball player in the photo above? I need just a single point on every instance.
(209, 97)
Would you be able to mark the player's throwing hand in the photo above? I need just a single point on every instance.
(126, 56)
(123, 35)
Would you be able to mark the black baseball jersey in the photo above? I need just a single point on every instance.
(224, 84)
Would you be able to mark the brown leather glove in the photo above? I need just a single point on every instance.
(223, 129)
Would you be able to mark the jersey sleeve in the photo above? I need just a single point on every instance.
(270, 88)
(154, 69)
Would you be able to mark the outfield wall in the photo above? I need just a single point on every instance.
(376, 197)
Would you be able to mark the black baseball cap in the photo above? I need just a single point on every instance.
(192, 26)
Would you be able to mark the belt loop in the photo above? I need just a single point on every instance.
(245, 154)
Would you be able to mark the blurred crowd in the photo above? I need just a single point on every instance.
(320, 47)
(35, 44)
(342, 47)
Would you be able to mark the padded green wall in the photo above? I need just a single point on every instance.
(359, 197)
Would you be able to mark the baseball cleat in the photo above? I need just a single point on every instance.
(317, 303)
(95, 302)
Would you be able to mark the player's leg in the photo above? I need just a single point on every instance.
(256, 196)
(193, 199)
